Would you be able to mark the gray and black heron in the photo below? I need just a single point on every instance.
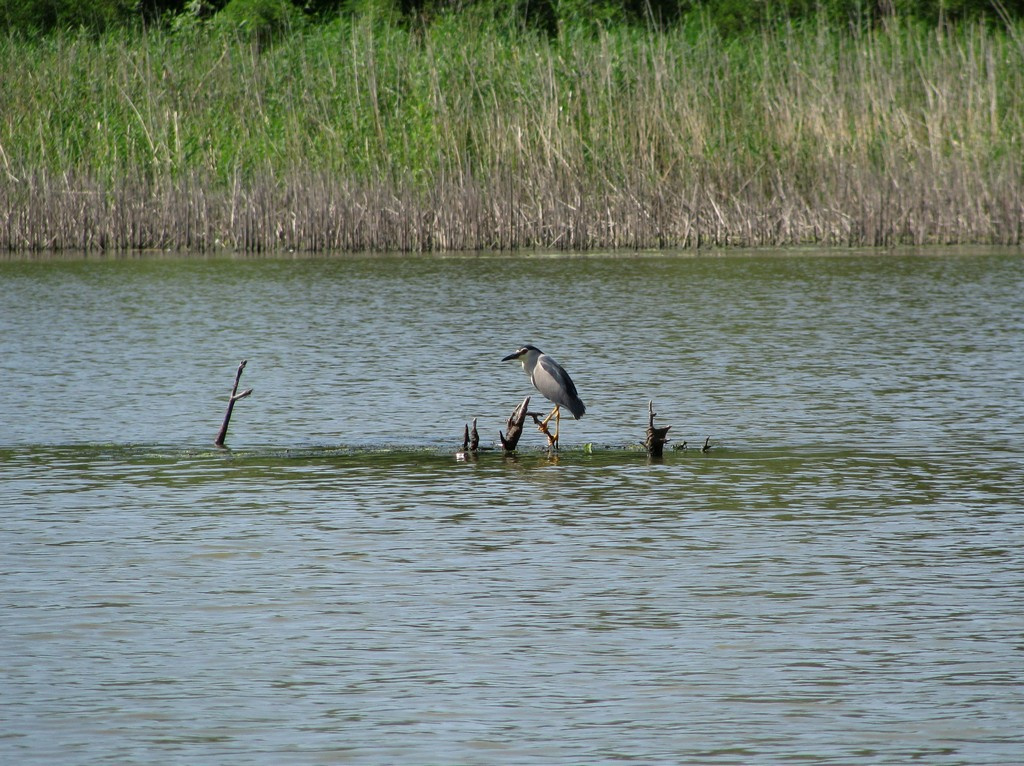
(553, 382)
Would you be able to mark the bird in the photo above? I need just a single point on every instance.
(554, 384)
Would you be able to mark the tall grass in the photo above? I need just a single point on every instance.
(359, 135)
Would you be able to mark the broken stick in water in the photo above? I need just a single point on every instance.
(656, 437)
(235, 396)
(470, 442)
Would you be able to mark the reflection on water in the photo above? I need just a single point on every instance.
(837, 581)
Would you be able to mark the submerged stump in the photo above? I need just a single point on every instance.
(656, 435)
(514, 426)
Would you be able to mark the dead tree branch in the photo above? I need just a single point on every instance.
(235, 396)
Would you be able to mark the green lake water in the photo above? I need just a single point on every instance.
(839, 580)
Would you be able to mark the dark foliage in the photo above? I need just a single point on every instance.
(548, 16)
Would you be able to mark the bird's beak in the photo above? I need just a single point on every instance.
(510, 357)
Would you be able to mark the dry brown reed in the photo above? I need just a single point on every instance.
(317, 213)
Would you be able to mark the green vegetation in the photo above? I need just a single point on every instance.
(468, 131)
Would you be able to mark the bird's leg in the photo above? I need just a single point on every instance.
(557, 415)
(551, 414)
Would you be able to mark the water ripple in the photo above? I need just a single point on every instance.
(837, 581)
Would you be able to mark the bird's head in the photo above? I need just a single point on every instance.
(523, 354)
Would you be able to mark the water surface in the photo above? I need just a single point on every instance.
(839, 580)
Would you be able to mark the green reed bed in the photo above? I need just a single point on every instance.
(364, 136)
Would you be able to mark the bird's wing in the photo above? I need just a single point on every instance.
(554, 382)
